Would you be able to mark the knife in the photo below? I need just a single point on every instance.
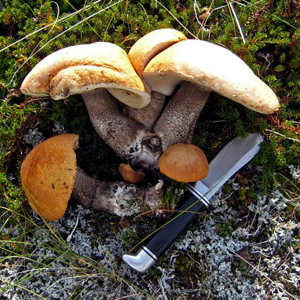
(237, 153)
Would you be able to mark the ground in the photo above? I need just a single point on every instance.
(246, 246)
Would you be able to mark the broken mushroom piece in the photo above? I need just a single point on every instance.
(82, 68)
(129, 175)
(118, 198)
(184, 163)
(50, 177)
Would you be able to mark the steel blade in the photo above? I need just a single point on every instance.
(237, 153)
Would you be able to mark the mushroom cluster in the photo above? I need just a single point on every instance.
(126, 98)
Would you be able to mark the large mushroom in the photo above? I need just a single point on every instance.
(50, 176)
(206, 67)
(94, 70)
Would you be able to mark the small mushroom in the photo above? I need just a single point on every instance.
(184, 163)
(50, 177)
(129, 175)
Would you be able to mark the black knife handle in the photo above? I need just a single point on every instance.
(165, 237)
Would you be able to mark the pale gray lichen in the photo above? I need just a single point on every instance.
(58, 128)
(257, 260)
(295, 172)
(33, 137)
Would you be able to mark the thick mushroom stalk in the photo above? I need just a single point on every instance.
(149, 114)
(178, 120)
(129, 138)
(118, 198)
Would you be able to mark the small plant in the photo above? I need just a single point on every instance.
(173, 194)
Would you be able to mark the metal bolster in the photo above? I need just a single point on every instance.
(199, 196)
(142, 261)
(150, 253)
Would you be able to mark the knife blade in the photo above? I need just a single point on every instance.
(237, 153)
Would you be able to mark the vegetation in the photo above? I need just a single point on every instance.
(31, 30)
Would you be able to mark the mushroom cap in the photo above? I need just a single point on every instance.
(215, 69)
(48, 175)
(82, 68)
(184, 163)
(151, 44)
(130, 175)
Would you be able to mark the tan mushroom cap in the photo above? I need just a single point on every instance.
(82, 68)
(151, 44)
(48, 175)
(215, 69)
(184, 163)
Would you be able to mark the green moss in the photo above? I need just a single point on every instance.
(224, 229)
(173, 194)
(14, 120)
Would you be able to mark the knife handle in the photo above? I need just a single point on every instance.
(165, 237)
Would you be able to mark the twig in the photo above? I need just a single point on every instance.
(72, 232)
(48, 25)
(237, 21)
(68, 29)
(280, 134)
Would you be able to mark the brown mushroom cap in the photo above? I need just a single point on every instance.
(130, 175)
(48, 175)
(212, 67)
(184, 163)
(82, 68)
(151, 44)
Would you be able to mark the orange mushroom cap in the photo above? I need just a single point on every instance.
(48, 175)
(129, 175)
(184, 163)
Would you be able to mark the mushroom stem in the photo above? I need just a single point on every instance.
(130, 139)
(178, 120)
(118, 198)
(149, 114)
